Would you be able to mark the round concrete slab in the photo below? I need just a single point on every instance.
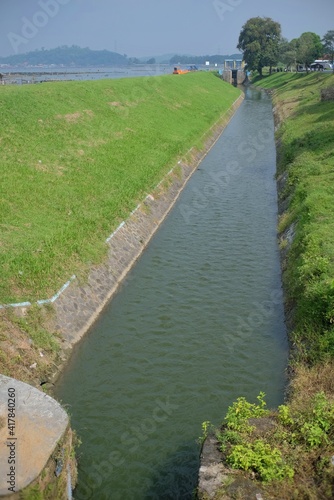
(31, 425)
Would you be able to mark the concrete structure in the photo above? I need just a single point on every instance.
(234, 64)
(31, 425)
(234, 76)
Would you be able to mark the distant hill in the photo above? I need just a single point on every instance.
(77, 56)
(67, 56)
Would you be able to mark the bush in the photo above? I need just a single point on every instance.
(265, 461)
(241, 410)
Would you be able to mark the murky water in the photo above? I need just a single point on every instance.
(198, 322)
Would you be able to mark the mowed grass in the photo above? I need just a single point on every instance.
(76, 158)
(307, 155)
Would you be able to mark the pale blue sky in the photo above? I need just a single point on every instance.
(151, 27)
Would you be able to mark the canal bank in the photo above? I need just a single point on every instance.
(140, 229)
(127, 146)
(281, 457)
(198, 322)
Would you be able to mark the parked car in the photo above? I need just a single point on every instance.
(320, 65)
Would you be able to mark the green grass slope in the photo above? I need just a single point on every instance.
(306, 155)
(76, 157)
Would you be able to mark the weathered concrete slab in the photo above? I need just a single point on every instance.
(31, 425)
(212, 472)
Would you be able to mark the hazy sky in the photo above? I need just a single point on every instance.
(151, 27)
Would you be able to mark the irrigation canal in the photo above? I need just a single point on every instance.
(198, 322)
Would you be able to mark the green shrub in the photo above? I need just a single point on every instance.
(312, 427)
(206, 428)
(228, 438)
(259, 457)
(241, 410)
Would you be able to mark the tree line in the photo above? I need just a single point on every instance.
(262, 45)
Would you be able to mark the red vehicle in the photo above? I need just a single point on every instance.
(179, 71)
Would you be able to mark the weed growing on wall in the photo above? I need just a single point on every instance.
(275, 446)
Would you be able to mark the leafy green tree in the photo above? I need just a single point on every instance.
(309, 48)
(259, 41)
(288, 52)
(328, 44)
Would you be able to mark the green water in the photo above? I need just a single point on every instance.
(198, 322)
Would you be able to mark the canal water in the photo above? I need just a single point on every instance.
(198, 322)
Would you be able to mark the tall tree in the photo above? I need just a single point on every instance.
(288, 52)
(328, 43)
(259, 41)
(309, 48)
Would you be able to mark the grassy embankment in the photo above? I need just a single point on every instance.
(289, 454)
(76, 158)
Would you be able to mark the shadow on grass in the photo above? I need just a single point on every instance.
(324, 110)
(316, 141)
(320, 118)
(296, 81)
(277, 81)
